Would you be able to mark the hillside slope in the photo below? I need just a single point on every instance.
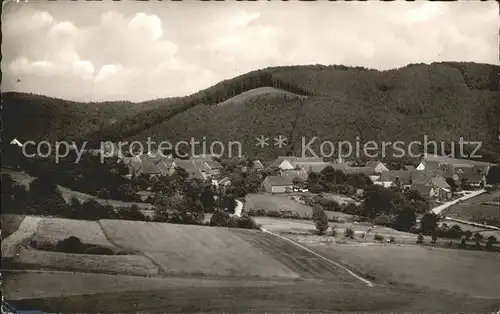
(38, 117)
(444, 100)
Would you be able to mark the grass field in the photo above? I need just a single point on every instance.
(282, 203)
(463, 272)
(176, 295)
(475, 209)
(25, 231)
(10, 223)
(51, 230)
(196, 250)
(109, 264)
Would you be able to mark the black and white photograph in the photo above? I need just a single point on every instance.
(250, 156)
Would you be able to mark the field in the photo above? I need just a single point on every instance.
(475, 209)
(52, 230)
(220, 270)
(109, 264)
(281, 203)
(183, 295)
(10, 223)
(455, 271)
(195, 250)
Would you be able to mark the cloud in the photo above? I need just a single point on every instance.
(138, 52)
(149, 24)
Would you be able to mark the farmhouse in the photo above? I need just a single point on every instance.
(403, 178)
(292, 174)
(277, 184)
(291, 162)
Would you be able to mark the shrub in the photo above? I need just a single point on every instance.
(219, 218)
(70, 245)
(392, 239)
(462, 241)
(334, 231)
(274, 214)
(98, 250)
(349, 233)
(384, 220)
(378, 237)
(246, 222)
(420, 239)
(434, 238)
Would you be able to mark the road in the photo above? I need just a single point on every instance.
(440, 208)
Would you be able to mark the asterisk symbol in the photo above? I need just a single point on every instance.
(262, 141)
(280, 141)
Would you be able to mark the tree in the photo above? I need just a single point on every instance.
(493, 176)
(429, 223)
(491, 241)
(320, 219)
(296, 182)
(406, 218)
(131, 213)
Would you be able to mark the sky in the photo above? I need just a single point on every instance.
(137, 51)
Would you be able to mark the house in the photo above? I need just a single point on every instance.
(376, 166)
(285, 162)
(190, 166)
(292, 174)
(146, 164)
(403, 178)
(427, 192)
(473, 180)
(212, 168)
(257, 165)
(277, 184)
(223, 183)
(311, 166)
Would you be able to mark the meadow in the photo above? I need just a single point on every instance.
(283, 205)
(470, 273)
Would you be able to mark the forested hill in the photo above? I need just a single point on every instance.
(443, 100)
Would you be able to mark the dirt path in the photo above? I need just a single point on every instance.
(26, 230)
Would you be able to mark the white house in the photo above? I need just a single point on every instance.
(277, 184)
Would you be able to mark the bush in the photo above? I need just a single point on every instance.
(219, 218)
(378, 237)
(384, 220)
(349, 233)
(274, 214)
(70, 245)
(420, 239)
(392, 239)
(334, 231)
(98, 250)
(246, 222)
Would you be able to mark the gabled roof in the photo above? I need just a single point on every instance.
(190, 167)
(423, 176)
(292, 159)
(440, 182)
(312, 166)
(424, 190)
(213, 164)
(257, 164)
(292, 174)
(225, 180)
(279, 180)
(391, 176)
